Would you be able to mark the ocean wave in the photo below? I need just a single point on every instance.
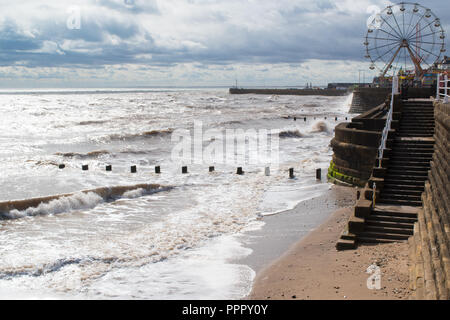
(86, 199)
(320, 126)
(91, 122)
(290, 134)
(145, 134)
(88, 155)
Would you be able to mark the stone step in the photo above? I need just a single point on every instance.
(417, 109)
(412, 141)
(411, 126)
(410, 181)
(416, 193)
(412, 149)
(413, 145)
(416, 129)
(395, 211)
(406, 159)
(400, 166)
(389, 224)
(343, 244)
(422, 126)
(406, 171)
(392, 219)
(416, 119)
(381, 236)
(414, 122)
(403, 187)
(402, 202)
(399, 182)
(399, 196)
(412, 155)
(388, 230)
(417, 112)
(364, 239)
(410, 135)
(414, 113)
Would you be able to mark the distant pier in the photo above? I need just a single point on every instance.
(294, 92)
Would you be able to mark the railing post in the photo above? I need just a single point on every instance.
(395, 85)
(438, 87)
(446, 89)
(374, 195)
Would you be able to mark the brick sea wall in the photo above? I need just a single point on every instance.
(429, 247)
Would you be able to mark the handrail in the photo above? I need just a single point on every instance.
(445, 87)
(387, 126)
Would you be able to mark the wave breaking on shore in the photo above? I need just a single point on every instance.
(81, 200)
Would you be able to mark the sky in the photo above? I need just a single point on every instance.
(126, 43)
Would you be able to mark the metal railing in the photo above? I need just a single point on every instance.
(385, 133)
(442, 85)
(387, 126)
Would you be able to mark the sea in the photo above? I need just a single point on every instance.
(142, 235)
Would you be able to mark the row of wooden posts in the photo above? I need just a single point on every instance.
(184, 170)
(335, 118)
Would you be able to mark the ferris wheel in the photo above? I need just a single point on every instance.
(403, 37)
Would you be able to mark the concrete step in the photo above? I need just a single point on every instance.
(412, 155)
(414, 183)
(414, 122)
(395, 177)
(395, 164)
(416, 193)
(409, 167)
(389, 224)
(403, 187)
(413, 145)
(401, 202)
(399, 149)
(407, 135)
(417, 119)
(399, 196)
(388, 230)
(381, 236)
(409, 110)
(393, 219)
(422, 126)
(364, 239)
(406, 171)
(415, 125)
(395, 211)
(406, 159)
(415, 129)
(413, 141)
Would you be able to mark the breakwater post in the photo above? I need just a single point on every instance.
(291, 173)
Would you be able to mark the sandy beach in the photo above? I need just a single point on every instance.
(312, 269)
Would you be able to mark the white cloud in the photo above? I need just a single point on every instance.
(196, 41)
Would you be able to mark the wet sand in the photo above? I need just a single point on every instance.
(311, 268)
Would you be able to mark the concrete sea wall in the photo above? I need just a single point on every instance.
(365, 99)
(429, 247)
(355, 147)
